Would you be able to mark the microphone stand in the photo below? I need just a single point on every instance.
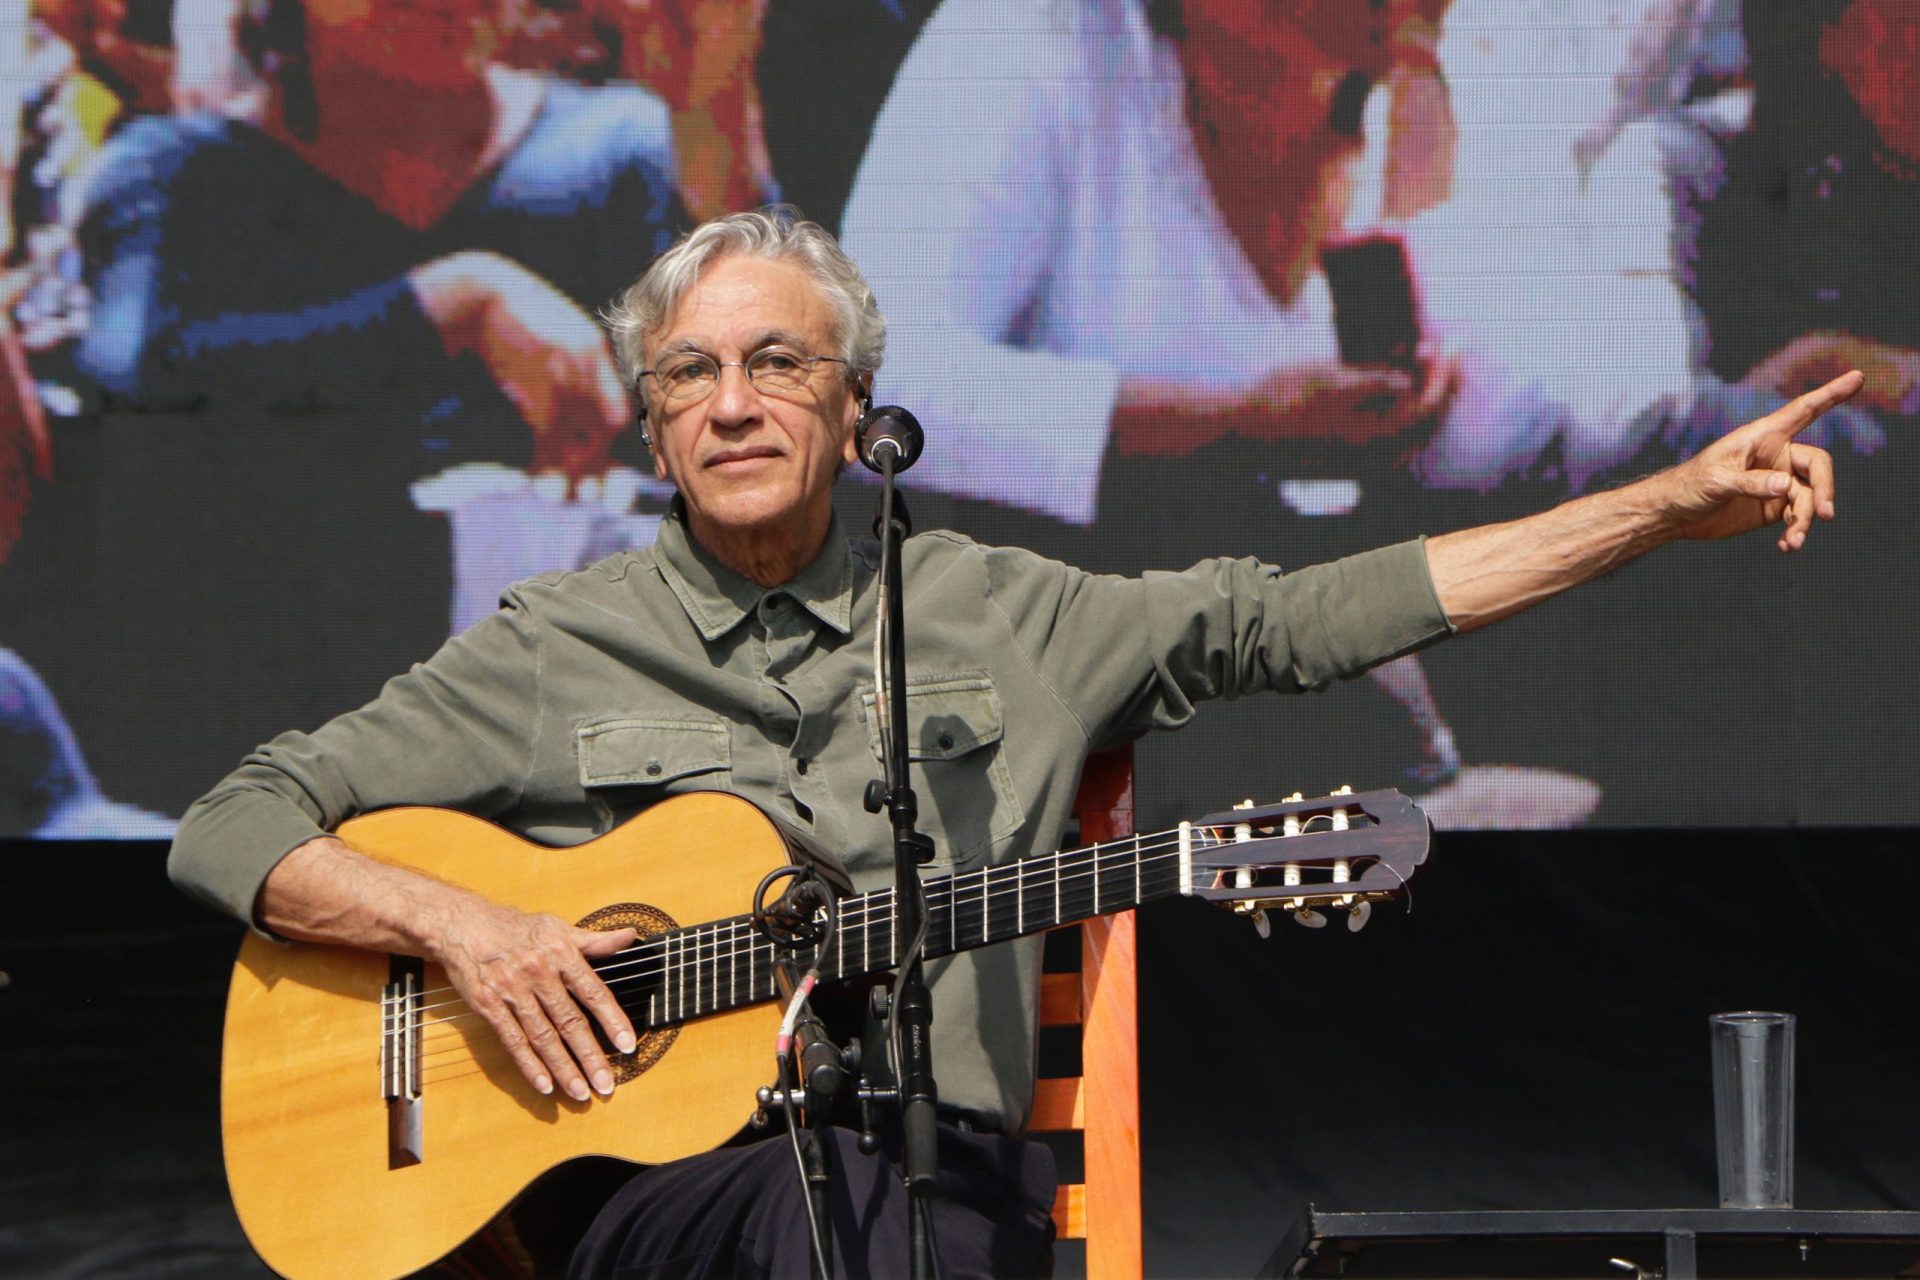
(912, 1005)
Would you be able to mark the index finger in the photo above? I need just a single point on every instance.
(1801, 412)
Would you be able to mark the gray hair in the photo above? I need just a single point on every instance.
(777, 232)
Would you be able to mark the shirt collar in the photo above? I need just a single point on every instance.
(716, 598)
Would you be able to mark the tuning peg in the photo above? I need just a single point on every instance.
(1358, 914)
(1311, 919)
(1261, 925)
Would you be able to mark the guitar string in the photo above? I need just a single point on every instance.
(704, 953)
(1135, 845)
(707, 955)
(874, 903)
(493, 1047)
(704, 956)
(1147, 844)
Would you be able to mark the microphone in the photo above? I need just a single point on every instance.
(823, 1068)
(888, 428)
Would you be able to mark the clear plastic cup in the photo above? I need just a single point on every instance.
(1753, 1108)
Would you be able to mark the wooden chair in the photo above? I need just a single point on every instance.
(1103, 1102)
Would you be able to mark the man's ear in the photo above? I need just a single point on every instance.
(650, 438)
(857, 405)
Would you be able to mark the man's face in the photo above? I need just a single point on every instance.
(751, 464)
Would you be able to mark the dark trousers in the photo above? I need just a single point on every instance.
(740, 1211)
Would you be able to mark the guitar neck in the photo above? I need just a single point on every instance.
(995, 904)
(708, 968)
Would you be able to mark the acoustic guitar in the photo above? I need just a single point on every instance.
(372, 1123)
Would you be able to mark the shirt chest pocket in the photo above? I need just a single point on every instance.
(627, 761)
(958, 762)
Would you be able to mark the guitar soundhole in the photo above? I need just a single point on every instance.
(632, 991)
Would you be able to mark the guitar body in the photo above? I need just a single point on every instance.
(309, 1151)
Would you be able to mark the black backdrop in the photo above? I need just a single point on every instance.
(1531, 1035)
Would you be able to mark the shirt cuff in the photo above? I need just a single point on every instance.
(227, 844)
(1362, 611)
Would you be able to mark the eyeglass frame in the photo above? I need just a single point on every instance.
(744, 366)
(812, 362)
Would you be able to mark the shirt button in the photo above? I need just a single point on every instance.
(800, 766)
(653, 768)
(946, 742)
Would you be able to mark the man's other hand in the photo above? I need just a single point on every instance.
(1758, 474)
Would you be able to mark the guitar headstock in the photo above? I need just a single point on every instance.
(1343, 852)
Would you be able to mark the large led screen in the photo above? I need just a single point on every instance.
(301, 365)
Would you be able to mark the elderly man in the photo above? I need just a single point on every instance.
(737, 649)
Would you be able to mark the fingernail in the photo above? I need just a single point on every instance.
(625, 1042)
(543, 1084)
(1827, 510)
(1777, 483)
(577, 1090)
(603, 1082)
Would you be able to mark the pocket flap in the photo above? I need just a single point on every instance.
(947, 716)
(630, 749)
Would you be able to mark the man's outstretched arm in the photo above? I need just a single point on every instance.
(1748, 479)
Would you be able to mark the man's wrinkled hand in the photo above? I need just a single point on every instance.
(1759, 475)
(528, 976)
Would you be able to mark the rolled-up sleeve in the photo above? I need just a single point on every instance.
(1131, 655)
(458, 730)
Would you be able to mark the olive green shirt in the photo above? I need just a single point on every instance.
(592, 694)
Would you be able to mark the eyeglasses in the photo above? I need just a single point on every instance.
(691, 376)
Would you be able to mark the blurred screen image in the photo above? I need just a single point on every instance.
(300, 364)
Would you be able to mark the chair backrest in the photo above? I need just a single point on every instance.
(1103, 1102)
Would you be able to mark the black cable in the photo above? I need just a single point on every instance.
(784, 1083)
(933, 1241)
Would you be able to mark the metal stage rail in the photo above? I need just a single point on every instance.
(1670, 1244)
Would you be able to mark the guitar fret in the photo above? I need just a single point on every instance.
(1019, 898)
(986, 904)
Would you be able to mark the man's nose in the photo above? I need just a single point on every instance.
(734, 399)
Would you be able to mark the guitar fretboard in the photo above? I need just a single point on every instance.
(725, 964)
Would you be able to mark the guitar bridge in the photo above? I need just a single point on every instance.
(400, 1037)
